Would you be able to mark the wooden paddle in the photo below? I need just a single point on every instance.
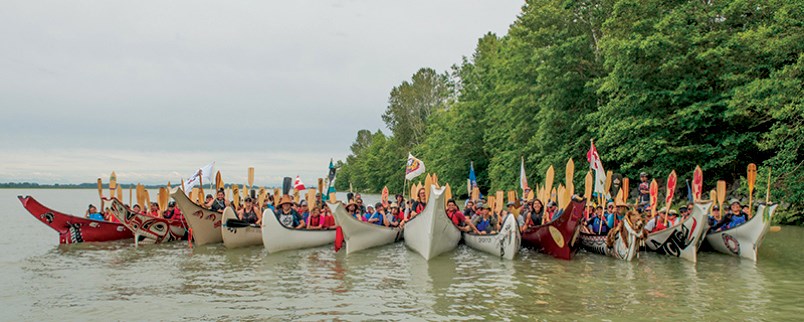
(548, 180)
(475, 194)
(767, 193)
(218, 181)
(435, 180)
(261, 197)
(310, 197)
(200, 190)
(236, 196)
(163, 199)
(530, 195)
(296, 196)
(499, 199)
(654, 197)
(120, 193)
(112, 185)
(428, 181)
(588, 182)
(413, 192)
(721, 193)
(447, 192)
(130, 196)
(321, 186)
(100, 192)
(512, 196)
(147, 199)
(607, 187)
(569, 175)
(250, 177)
(672, 179)
(752, 179)
(697, 183)
(626, 189)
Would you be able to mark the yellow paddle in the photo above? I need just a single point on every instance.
(163, 199)
(499, 196)
(607, 187)
(428, 181)
(588, 186)
(218, 181)
(236, 196)
(130, 196)
(767, 193)
(147, 199)
(721, 193)
(112, 185)
(321, 186)
(625, 190)
(569, 175)
(752, 179)
(100, 191)
(548, 180)
(120, 193)
(447, 192)
(250, 177)
(475, 194)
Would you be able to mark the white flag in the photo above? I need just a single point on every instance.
(523, 178)
(204, 173)
(597, 166)
(414, 168)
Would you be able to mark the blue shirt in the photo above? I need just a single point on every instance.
(96, 216)
(736, 221)
(594, 226)
(377, 215)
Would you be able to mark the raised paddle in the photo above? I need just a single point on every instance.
(626, 187)
(321, 186)
(120, 193)
(569, 175)
(296, 196)
(130, 196)
(697, 183)
(147, 200)
(310, 198)
(447, 192)
(752, 179)
(499, 196)
(767, 193)
(287, 183)
(607, 186)
(112, 185)
(384, 197)
(163, 199)
(588, 182)
(721, 193)
(218, 181)
(261, 197)
(548, 180)
(428, 181)
(100, 192)
(250, 177)
(277, 194)
(200, 189)
(475, 194)
(672, 179)
(654, 197)
(236, 196)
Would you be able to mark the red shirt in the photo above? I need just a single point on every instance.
(458, 219)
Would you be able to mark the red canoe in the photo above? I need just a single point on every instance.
(74, 229)
(558, 237)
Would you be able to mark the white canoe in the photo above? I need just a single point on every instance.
(277, 238)
(503, 244)
(205, 223)
(431, 233)
(683, 239)
(234, 237)
(361, 235)
(744, 240)
(623, 248)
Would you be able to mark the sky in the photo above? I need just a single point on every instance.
(156, 89)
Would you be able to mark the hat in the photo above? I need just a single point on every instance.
(664, 209)
(172, 204)
(643, 174)
(715, 207)
(551, 204)
(610, 203)
(620, 203)
(509, 204)
(481, 205)
(733, 201)
(285, 199)
(673, 212)
(303, 203)
(394, 205)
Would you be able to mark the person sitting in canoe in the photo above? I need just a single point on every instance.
(360, 205)
(644, 189)
(714, 217)
(219, 203)
(458, 219)
(469, 210)
(656, 224)
(136, 209)
(314, 221)
(597, 223)
(154, 210)
(485, 223)
(552, 211)
(352, 210)
(172, 212)
(329, 219)
(303, 210)
(92, 213)
(375, 215)
(533, 213)
(733, 217)
(250, 212)
(287, 216)
(394, 216)
(419, 204)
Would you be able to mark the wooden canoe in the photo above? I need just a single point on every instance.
(432, 233)
(503, 244)
(277, 238)
(360, 235)
(74, 229)
(623, 248)
(205, 223)
(235, 237)
(157, 230)
(744, 240)
(683, 239)
(558, 237)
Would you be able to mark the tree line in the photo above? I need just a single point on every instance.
(659, 86)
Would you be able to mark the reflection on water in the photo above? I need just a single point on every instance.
(116, 281)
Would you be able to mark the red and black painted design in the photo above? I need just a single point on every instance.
(73, 229)
(557, 238)
(144, 226)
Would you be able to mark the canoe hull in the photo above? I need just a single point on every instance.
(235, 237)
(557, 238)
(73, 229)
(504, 244)
(744, 240)
(623, 248)
(431, 233)
(681, 240)
(205, 223)
(360, 235)
(277, 238)
(158, 230)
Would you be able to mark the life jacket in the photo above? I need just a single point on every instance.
(313, 221)
(455, 217)
(250, 216)
(484, 224)
(659, 225)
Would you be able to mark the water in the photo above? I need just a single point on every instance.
(44, 281)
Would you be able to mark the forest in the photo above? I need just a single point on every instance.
(658, 85)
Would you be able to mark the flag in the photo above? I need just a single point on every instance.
(330, 181)
(298, 185)
(202, 174)
(414, 168)
(597, 166)
(471, 183)
(523, 178)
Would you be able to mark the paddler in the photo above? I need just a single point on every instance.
(419, 204)
(373, 215)
(644, 190)
(533, 214)
(485, 223)
(351, 209)
(672, 218)
(219, 203)
(250, 212)
(287, 216)
(552, 210)
(136, 209)
(172, 212)
(154, 211)
(733, 217)
(596, 224)
(714, 218)
(394, 216)
(329, 220)
(92, 213)
(315, 221)
(656, 224)
(458, 219)
(469, 210)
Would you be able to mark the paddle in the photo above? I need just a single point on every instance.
(311, 198)
(163, 199)
(548, 180)
(287, 183)
(721, 193)
(112, 185)
(713, 196)
(752, 179)
(607, 186)
(261, 197)
(130, 196)
(100, 191)
(250, 177)
(120, 193)
(277, 194)
(384, 197)
(530, 195)
(588, 182)
(236, 196)
(697, 183)
(499, 198)
(569, 175)
(767, 193)
(512, 197)
(475, 194)
(447, 192)
(321, 186)
(428, 181)
(654, 197)
(218, 181)
(296, 196)
(147, 199)
(626, 188)
(671, 191)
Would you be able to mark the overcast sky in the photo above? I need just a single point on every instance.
(156, 89)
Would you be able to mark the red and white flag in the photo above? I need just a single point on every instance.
(298, 185)
(523, 178)
(597, 166)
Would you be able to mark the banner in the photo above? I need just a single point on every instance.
(597, 166)
(414, 168)
(523, 178)
(205, 173)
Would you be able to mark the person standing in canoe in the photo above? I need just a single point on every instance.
(250, 212)
(485, 223)
(287, 216)
(644, 191)
(733, 218)
(219, 203)
(419, 204)
(533, 214)
(315, 221)
(92, 213)
(458, 219)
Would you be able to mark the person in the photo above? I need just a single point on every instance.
(552, 211)
(610, 214)
(485, 223)
(319, 203)
(458, 219)
(136, 209)
(535, 211)
(314, 220)
(360, 205)
(400, 201)
(303, 210)
(394, 216)
(419, 204)
(154, 210)
(172, 212)
(622, 210)
(714, 217)
(684, 212)
(219, 203)
(250, 212)
(469, 209)
(329, 220)
(733, 218)
(375, 215)
(92, 213)
(108, 216)
(351, 209)
(287, 216)
(208, 200)
(656, 224)
(644, 190)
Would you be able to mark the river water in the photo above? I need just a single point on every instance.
(43, 281)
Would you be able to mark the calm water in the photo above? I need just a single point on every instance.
(115, 281)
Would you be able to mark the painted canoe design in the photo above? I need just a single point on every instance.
(277, 238)
(432, 233)
(744, 240)
(504, 244)
(74, 229)
(234, 237)
(360, 235)
(557, 238)
(205, 223)
(683, 239)
(158, 230)
(623, 248)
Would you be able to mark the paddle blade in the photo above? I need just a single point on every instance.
(588, 184)
(626, 189)
(100, 188)
(609, 177)
(218, 181)
(384, 196)
(277, 194)
(130, 196)
(236, 196)
(147, 199)
(321, 186)
(752, 176)
(672, 179)
(162, 199)
(447, 192)
(251, 177)
(654, 196)
(511, 196)
(697, 183)
(767, 193)
(120, 194)
(713, 196)
(287, 183)
(721, 192)
(499, 196)
(530, 195)
(296, 196)
(548, 178)
(475, 194)
(412, 191)
(112, 185)
(569, 174)
(428, 181)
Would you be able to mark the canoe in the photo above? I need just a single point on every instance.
(432, 233)
(503, 244)
(557, 238)
(624, 247)
(360, 235)
(74, 229)
(277, 238)
(683, 239)
(235, 237)
(205, 223)
(744, 240)
(157, 230)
